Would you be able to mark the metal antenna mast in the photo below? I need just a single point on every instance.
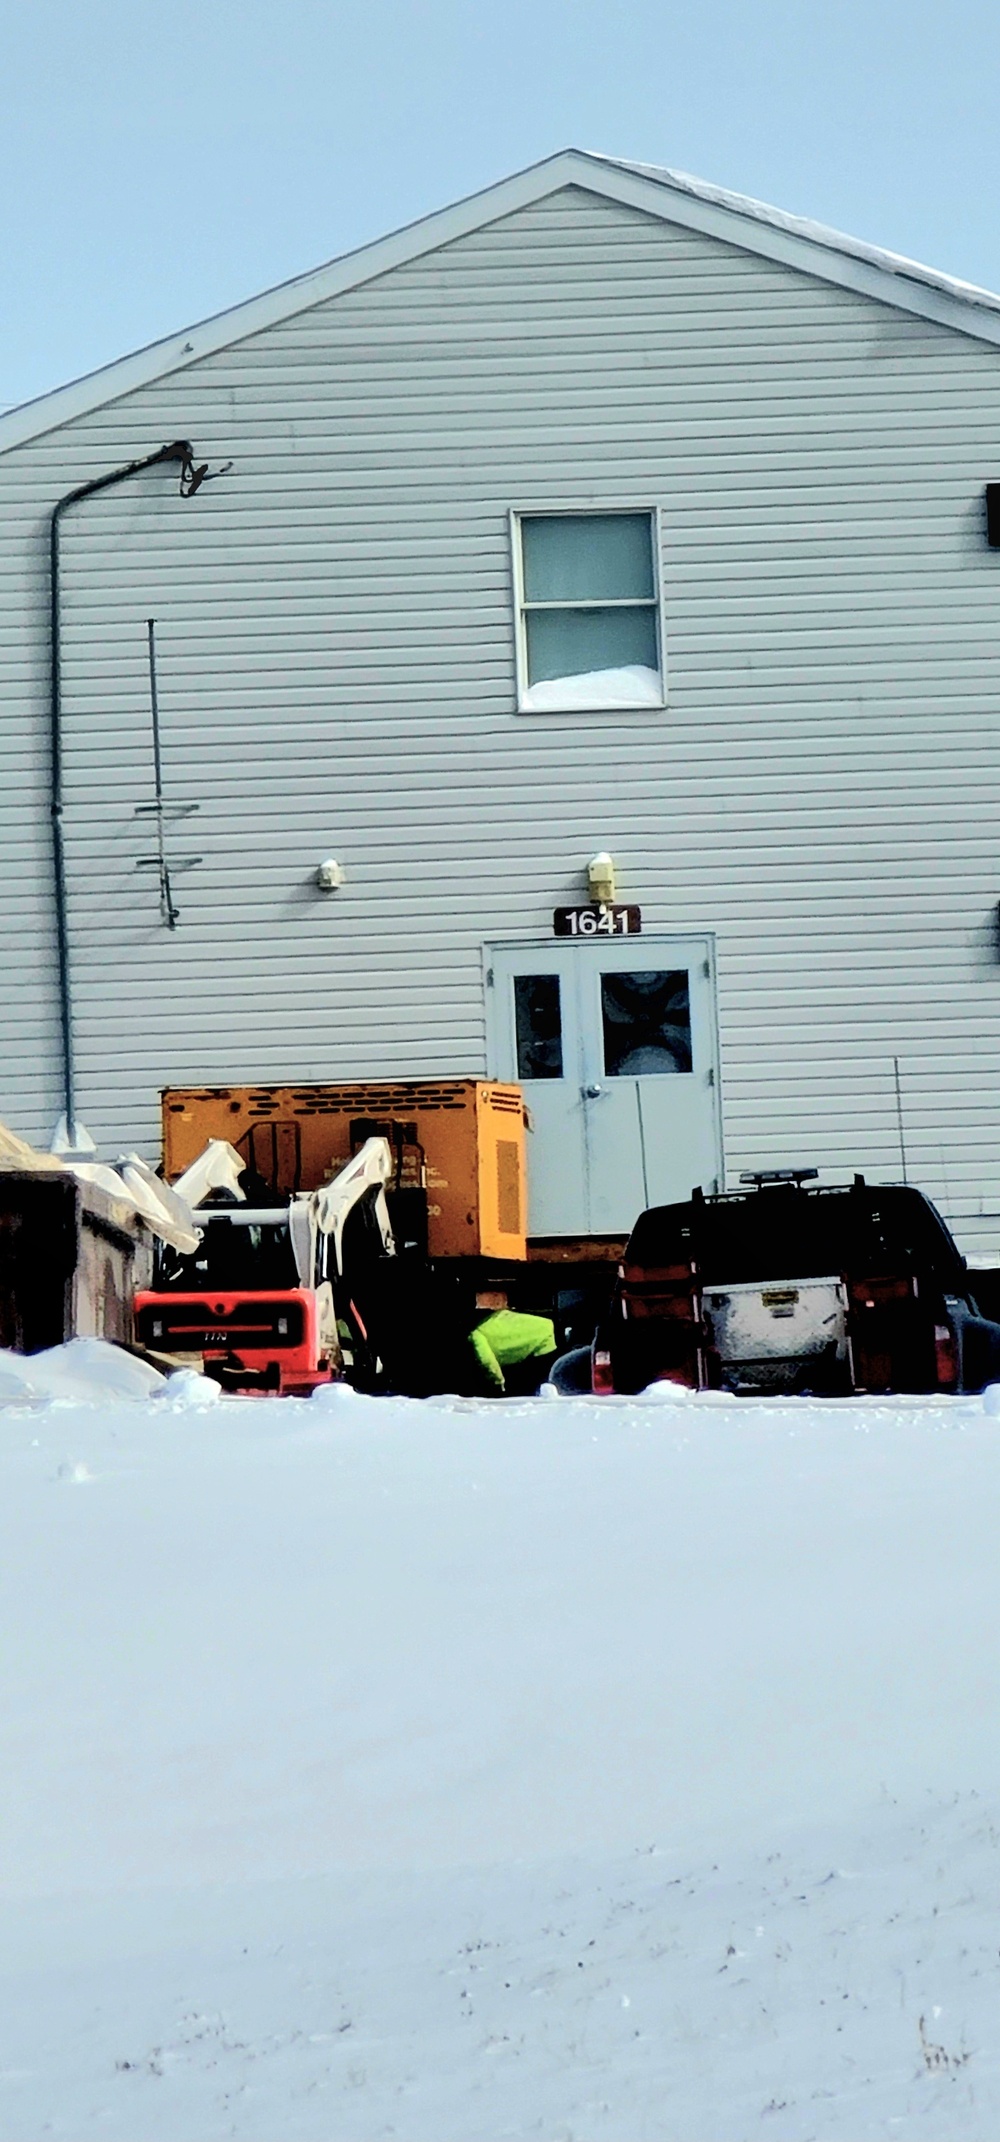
(161, 811)
(167, 908)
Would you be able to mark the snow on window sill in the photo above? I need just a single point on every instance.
(594, 690)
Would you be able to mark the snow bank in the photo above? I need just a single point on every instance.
(91, 1372)
(590, 1767)
(80, 1372)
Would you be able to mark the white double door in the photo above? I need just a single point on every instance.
(615, 1045)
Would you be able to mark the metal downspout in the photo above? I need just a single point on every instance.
(181, 452)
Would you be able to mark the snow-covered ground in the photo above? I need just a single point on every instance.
(557, 1768)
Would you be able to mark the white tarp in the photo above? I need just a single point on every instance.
(165, 1214)
(132, 1183)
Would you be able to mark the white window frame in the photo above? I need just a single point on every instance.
(593, 509)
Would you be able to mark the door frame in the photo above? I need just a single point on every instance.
(583, 948)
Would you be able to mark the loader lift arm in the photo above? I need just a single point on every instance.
(325, 1212)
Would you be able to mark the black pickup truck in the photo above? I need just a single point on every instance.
(787, 1286)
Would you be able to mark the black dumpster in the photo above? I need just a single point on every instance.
(71, 1257)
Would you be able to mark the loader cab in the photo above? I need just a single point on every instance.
(241, 1247)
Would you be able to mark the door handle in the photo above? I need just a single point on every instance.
(590, 1093)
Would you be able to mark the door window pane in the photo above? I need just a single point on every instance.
(647, 1024)
(538, 1026)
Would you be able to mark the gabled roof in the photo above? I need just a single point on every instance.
(672, 195)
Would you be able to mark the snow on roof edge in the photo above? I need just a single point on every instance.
(743, 204)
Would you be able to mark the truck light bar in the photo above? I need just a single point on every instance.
(759, 1176)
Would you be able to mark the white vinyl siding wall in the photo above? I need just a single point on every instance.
(335, 626)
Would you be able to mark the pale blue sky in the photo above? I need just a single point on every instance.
(161, 159)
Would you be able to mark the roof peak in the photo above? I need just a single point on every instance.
(654, 189)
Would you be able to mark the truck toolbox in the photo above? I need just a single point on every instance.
(772, 1336)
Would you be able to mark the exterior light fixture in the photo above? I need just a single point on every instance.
(601, 878)
(330, 875)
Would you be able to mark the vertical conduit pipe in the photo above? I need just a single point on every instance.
(179, 451)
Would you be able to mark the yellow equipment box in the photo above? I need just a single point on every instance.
(463, 1138)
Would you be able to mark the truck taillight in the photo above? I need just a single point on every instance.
(945, 1357)
(601, 1379)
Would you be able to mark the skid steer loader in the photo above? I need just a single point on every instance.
(270, 1298)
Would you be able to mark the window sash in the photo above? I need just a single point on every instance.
(588, 556)
(577, 642)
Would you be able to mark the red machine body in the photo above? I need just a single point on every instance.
(268, 1341)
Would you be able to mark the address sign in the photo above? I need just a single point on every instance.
(602, 920)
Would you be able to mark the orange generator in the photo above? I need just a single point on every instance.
(461, 1140)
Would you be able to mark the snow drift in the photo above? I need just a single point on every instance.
(583, 1768)
(636, 685)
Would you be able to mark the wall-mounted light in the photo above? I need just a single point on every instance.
(330, 875)
(601, 877)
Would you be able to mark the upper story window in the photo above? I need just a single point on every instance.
(588, 626)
